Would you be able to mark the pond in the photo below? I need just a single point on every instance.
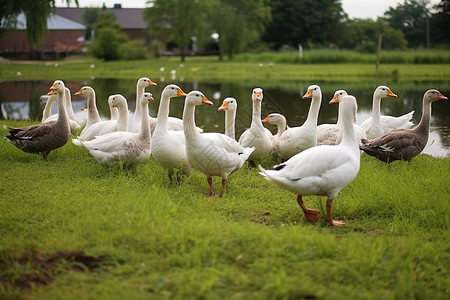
(20, 100)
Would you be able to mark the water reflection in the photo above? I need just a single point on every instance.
(20, 100)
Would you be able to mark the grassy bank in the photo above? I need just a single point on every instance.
(135, 236)
(259, 68)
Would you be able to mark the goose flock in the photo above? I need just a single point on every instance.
(315, 159)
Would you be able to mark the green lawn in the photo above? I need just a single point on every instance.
(72, 229)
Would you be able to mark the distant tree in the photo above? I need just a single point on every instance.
(175, 20)
(411, 18)
(90, 18)
(108, 38)
(36, 13)
(307, 21)
(362, 35)
(440, 23)
(239, 23)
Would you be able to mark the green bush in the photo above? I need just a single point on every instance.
(106, 44)
(133, 50)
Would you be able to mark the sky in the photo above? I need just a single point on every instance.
(362, 9)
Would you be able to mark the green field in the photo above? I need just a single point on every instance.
(73, 229)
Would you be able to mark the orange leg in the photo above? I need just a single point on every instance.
(224, 183)
(310, 214)
(211, 188)
(329, 215)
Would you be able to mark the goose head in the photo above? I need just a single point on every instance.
(229, 104)
(383, 91)
(85, 91)
(146, 97)
(197, 98)
(434, 95)
(57, 87)
(173, 90)
(116, 100)
(313, 92)
(338, 95)
(144, 82)
(274, 119)
(257, 94)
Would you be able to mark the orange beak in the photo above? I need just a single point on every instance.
(181, 93)
(78, 93)
(335, 99)
(391, 94)
(265, 120)
(52, 88)
(151, 83)
(308, 94)
(206, 101)
(224, 106)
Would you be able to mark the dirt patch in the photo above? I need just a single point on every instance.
(40, 269)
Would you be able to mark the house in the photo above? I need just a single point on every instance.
(63, 37)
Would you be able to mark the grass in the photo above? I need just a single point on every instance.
(267, 68)
(155, 240)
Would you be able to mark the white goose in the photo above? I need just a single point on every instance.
(323, 170)
(113, 111)
(280, 121)
(141, 84)
(92, 112)
(331, 134)
(213, 154)
(297, 139)
(229, 105)
(377, 124)
(103, 127)
(124, 146)
(48, 117)
(168, 147)
(257, 135)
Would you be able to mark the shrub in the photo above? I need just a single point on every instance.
(132, 50)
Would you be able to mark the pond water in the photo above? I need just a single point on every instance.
(20, 101)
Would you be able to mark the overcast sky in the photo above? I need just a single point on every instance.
(354, 8)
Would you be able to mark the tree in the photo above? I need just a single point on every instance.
(362, 35)
(108, 38)
(239, 23)
(175, 20)
(36, 13)
(90, 18)
(440, 23)
(308, 21)
(411, 18)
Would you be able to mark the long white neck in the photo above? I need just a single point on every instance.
(190, 130)
(376, 120)
(163, 113)
(256, 114)
(230, 117)
(139, 91)
(93, 116)
(122, 120)
(144, 132)
(313, 113)
(48, 107)
(68, 102)
(347, 125)
(281, 127)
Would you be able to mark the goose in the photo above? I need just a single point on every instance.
(404, 144)
(257, 135)
(141, 84)
(124, 146)
(229, 105)
(322, 170)
(113, 110)
(48, 117)
(297, 139)
(280, 121)
(103, 127)
(168, 147)
(213, 154)
(377, 124)
(331, 134)
(44, 137)
(92, 112)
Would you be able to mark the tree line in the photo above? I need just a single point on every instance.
(234, 26)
